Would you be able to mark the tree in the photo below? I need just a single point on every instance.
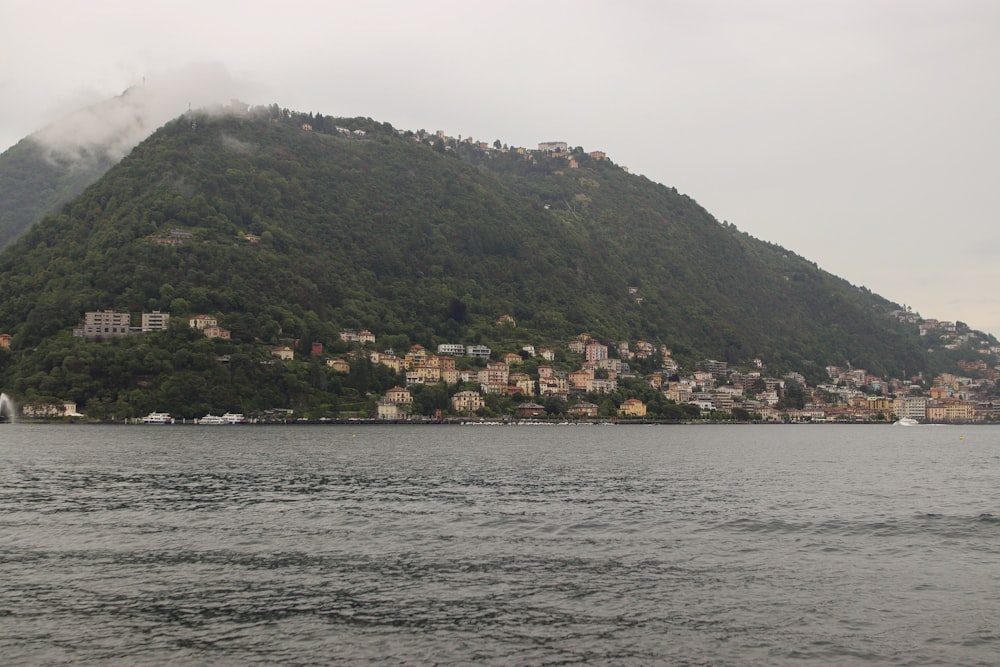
(740, 414)
(554, 405)
(792, 398)
(457, 309)
(360, 375)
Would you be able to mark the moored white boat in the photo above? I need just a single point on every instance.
(158, 418)
(228, 418)
(905, 421)
(211, 419)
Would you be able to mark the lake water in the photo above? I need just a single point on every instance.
(515, 545)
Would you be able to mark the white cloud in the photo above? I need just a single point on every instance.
(115, 126)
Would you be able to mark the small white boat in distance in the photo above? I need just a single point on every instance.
(211, 419)
(906, 421)
(158, 418)
(228, 418)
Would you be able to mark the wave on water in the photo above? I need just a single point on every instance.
(942, 525)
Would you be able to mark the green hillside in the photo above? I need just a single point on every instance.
(418, 239)
(52, 166)
(34, 184)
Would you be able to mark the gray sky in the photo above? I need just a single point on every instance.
(860, 134)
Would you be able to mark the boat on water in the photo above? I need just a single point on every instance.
(228, 418)
(905, 421)
(211, 419)
(158, 418)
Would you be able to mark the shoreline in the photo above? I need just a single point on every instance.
(472, 422)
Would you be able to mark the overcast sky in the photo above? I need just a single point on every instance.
(861, 134)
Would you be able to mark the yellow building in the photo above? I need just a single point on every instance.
(951, 410)
(633, 407)
(467, 402)
(339, 365)
(879, 404)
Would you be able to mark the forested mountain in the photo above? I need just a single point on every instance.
(353, 224)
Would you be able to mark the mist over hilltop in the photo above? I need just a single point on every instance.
(54, 164)
(113, 127)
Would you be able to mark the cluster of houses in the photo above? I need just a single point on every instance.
(851, 394)
(545, 148)
(209, 325)
(598, 373)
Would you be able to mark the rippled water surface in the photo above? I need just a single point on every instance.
(558, 545)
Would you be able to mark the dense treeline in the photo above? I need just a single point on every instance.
(287, 233)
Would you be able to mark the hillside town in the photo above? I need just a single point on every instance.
(585, 378)
(712, 391)
(589, 369)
